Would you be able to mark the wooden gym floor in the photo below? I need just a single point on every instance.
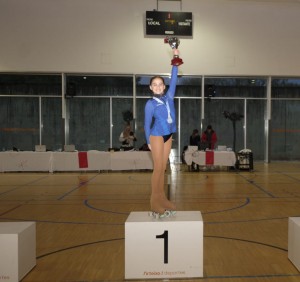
(80, 219)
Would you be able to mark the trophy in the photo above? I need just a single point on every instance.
(174, 43)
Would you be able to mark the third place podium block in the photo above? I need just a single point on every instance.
(164, 248)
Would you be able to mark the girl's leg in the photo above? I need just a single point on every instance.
(160, 154)
(167, 149)
(157, 149)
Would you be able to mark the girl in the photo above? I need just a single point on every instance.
(159, 137)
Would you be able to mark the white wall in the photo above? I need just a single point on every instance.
(107, 36)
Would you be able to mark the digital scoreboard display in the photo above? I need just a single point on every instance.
(169, 23)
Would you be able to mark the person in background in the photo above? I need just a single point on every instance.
(209, 138)
(161, 109)
(127, 138)
(195, 138)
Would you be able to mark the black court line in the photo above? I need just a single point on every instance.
(191, 279)
(132, 178)
(122, 223)
(289, 176)
(251, 220)
(119, 239)
(230, 209)
(207, 278)
(62, 222)
(79, 246)
(251, 276)
(246, 241)
(12, 209)
(257, 186)
(86, 203)
(23, 185)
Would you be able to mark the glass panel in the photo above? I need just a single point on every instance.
(81, 85)
(235, 87)
(29, 84)
(89, 123)
(286, 88)
(256, 128)
(175, 136)
(224, 127)
(190, 119)
(285, 133)
(19, 123)
(52, 132)
(122, 112)
(140, 113)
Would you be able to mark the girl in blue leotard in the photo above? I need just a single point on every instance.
(159, 136)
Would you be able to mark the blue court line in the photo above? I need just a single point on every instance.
(77, 187)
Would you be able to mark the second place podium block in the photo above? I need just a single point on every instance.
(164, 248)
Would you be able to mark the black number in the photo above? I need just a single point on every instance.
(164, 236)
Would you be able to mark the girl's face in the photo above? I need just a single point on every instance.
(157, 86)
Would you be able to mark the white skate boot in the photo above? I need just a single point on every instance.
(167, 213)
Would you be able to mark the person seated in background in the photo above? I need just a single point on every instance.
(208, 138)
(127, 138)
(195, 141)
(195, 138)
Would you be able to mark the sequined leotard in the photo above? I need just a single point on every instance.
(163, 111)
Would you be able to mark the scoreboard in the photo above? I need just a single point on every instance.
(169, 23)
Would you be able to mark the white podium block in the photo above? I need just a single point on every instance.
(164, 248)
(294, 241)
(17, 250)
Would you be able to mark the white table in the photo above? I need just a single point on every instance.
(25, 161)
(69, 161)
(131, 160)
(221, 158)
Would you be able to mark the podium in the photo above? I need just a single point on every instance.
(17, 250)
(294, 241)
(164, 248)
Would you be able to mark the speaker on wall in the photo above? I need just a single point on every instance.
(70, 90)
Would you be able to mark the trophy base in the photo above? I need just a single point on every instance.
(176, 61)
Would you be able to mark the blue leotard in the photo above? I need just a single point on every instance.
(158, 109)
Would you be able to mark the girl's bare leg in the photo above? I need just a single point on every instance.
(160, 153)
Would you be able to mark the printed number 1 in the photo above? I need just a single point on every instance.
(164, 236)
